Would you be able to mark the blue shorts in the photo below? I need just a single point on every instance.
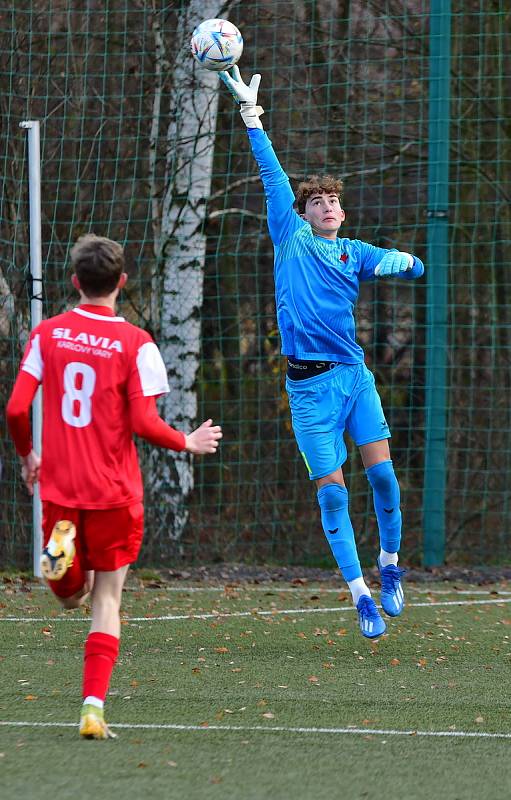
(323, 407)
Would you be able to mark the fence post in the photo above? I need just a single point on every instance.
(435, 467)
(36, 310)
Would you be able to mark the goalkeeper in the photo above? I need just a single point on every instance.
(330, 390)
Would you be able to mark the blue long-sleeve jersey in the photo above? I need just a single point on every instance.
(316, 279)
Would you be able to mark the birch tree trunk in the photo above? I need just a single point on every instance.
(181, 252)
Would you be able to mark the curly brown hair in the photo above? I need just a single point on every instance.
(98, 264)
(317, 184)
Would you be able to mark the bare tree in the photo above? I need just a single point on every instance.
(180, 249)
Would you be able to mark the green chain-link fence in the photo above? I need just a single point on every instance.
(140, 145)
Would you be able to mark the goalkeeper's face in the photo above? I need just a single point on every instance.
(325, 214)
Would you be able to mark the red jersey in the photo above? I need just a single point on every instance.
(91, 365)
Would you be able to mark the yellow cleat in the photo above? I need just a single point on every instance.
(93, 725)
(58, 554)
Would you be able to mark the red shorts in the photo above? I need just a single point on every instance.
(106, 540)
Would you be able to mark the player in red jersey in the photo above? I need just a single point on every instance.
(100, 377)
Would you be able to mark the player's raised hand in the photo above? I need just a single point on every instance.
(244, 94)
(30, 468)
(204, 439)
(393, 263)
(237, 86)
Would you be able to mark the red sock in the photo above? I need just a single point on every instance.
(101, 651)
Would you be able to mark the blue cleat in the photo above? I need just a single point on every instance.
(392, 595)
(371, 624)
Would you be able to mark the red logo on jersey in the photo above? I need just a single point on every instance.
(344, 258)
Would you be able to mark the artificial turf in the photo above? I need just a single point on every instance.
(242, 683)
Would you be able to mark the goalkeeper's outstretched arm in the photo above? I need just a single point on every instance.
(282, 219)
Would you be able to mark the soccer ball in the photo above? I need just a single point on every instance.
(216, 44)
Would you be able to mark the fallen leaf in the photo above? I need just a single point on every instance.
(313, 679)
(31, 697)
(221, 649)
(394, 662)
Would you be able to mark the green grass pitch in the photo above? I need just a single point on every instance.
(253, 692)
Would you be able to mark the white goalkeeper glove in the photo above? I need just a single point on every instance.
(393, 263)
(245, 95)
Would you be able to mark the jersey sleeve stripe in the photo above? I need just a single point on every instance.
(33, 363)
(151, 370)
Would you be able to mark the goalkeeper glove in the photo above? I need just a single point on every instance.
(393, 263)
(245, 95)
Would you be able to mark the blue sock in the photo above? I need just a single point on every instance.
(333, 502)
(386, 497)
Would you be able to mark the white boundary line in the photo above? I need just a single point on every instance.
(256, 614)
(273, 588)
(270, 729)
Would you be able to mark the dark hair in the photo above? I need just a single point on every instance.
(98, 264)
(317, 184)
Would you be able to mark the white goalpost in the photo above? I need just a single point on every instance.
(36, 308)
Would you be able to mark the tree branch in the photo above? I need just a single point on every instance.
(241, 211)
(295, 176)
